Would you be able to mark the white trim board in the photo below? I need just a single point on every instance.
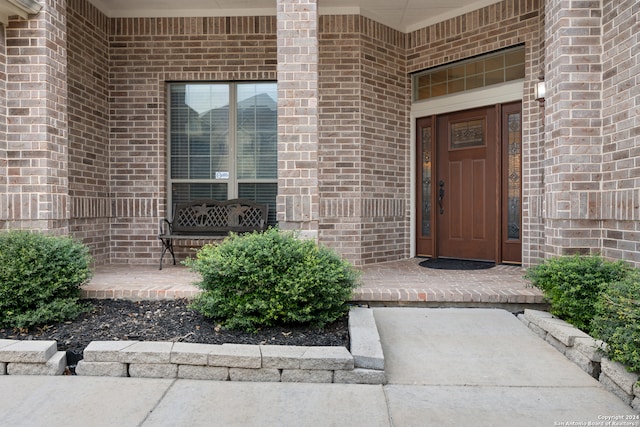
(511, 91)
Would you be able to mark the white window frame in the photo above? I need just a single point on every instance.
(232, 182)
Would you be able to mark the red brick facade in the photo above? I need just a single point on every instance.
(365, 144)
(620, 202)
(83, 117)
(297, 64)
(89, 151)
(36, 122)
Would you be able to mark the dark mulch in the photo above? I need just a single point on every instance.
(169, 320)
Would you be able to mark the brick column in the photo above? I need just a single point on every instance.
(298, 198)
(3, 129)
(36, 145)
(620, 131)
(573, 127)
(533, 137)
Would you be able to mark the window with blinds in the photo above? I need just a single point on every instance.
(223, 142)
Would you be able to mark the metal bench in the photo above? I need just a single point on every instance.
(209, 220)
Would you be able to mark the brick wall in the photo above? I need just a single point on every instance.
(4, 211)
(88, 88)
(364, 151)
(128, 150)
(501, 25)
(620, 197)
(297, 35)
(580, 160)
(573, 147)
(363, 127)
(36, 195)
(533, 155)
(591, 156)
(118, 69)
(144, 54)
(386, 144)
(340, 159)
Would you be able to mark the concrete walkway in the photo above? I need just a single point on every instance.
(445, 367)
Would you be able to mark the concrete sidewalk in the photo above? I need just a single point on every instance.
(445, 367)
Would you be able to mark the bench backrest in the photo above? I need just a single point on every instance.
(219, 217)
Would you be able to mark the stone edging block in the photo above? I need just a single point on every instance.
(235, 356)
(153, 370)
(31, 358)
(235, 362)
(365, 340)
(619, 374)
(585, 352)
(4, 343)
(254, 375)
(55, 365)
(185, 353)
(146, 352)
(326, 358)
(561, 330)
(102, 369)
(105, 351)
(306, 376)
(281, 356)
(211, 373)
(28, 351)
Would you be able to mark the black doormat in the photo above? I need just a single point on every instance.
(456, 264)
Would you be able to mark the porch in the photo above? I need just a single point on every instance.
(402, 282)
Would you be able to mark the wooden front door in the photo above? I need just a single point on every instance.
(467, 190)
(469, 184)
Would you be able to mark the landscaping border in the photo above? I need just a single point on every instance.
(585, 352)
(363, 364)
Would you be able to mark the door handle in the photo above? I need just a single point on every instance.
(441, 196)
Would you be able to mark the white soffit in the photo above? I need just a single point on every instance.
(402, 15)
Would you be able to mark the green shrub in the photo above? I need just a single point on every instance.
(572, 284)
(40, 278)
(617, 321)
(269, 278)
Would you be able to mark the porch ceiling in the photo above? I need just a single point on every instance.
(403, 15)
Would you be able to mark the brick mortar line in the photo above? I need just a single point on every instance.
(380, 295)
(447, 295)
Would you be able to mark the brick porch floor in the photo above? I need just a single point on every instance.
(392, 283)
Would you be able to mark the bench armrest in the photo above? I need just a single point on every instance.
(166, 227)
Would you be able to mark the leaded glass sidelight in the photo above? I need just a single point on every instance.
(514, 176)
(426, 182)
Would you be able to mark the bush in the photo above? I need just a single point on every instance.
(617, 321)
(40, 278)
(572, 284)
(269, 278)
